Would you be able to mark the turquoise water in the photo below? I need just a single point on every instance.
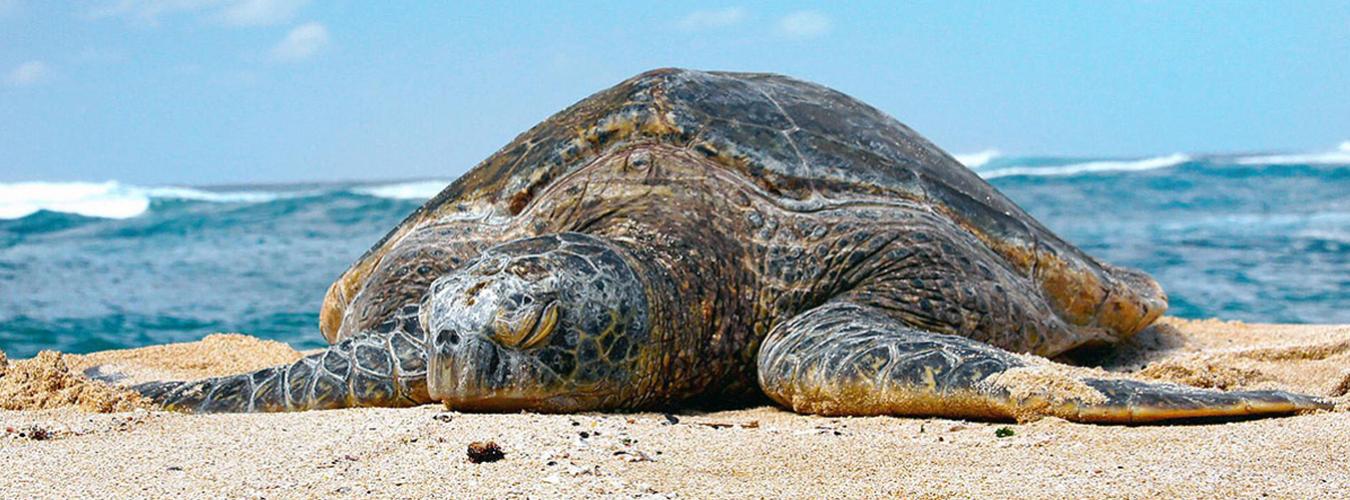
(91, 266)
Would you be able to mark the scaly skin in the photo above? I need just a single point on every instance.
(385, 367)
(731, 234)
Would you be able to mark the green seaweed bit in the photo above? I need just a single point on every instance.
(1003, 432)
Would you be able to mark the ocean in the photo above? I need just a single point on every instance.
(93, 266)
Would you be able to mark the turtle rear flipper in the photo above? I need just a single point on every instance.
(847, 359)
(1131, 401)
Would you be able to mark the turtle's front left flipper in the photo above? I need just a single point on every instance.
(847, 359)
(372, 369)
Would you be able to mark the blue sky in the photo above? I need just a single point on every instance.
(237, 91)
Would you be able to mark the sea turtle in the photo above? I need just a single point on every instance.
(700, 237)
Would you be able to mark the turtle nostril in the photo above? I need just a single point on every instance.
(447, 337)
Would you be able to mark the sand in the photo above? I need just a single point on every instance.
(47, 381)
(217, 354)
(419, 452)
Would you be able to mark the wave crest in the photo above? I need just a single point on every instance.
(974, 160)
(1341, 156)
(109, 200)
(415, 190)
(1171, 160)
(82, 198)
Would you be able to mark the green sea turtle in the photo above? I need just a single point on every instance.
(690, 236)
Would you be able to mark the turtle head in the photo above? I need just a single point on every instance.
(554, 323)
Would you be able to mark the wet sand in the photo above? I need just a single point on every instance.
(67, 449)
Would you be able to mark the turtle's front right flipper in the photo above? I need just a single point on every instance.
(373, 369)
(847, 359)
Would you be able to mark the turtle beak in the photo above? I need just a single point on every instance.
(474, 373)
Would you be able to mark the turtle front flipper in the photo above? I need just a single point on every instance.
(846, 359)
(385, 368)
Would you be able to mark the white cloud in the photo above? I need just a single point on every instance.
(229, 12)
(301, 42)
(804, 24)
(29, 73)
(260, 12)
(712, 18)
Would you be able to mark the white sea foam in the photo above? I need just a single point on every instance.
(90, 199)
(182, 193)
(1327, 225)
(974, 160)
(1171, 160)
(1341, 156)
(109, 199)
(416, 190)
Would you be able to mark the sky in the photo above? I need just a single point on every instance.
(204, 92)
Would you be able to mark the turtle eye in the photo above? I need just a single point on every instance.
(525, 329)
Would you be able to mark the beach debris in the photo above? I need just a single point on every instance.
(91, 424)
(127, 422)
(334, 462)
(33, 432)
(753, 424)
(670, 419)
(1003, 432)
(575, 470)
(633, 456)
(819, 429)
(485, 451)
(444, 417)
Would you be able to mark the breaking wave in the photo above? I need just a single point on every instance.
(114, 200)
(109, 200)
(975, 160)
(415, 190)
(1171, 160)
(1341, 156)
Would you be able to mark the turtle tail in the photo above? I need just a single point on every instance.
(385, 369)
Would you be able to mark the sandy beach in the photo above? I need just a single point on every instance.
(65, 436)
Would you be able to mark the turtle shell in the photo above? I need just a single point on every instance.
(802, 142)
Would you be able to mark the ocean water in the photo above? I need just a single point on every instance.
(92, 266)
